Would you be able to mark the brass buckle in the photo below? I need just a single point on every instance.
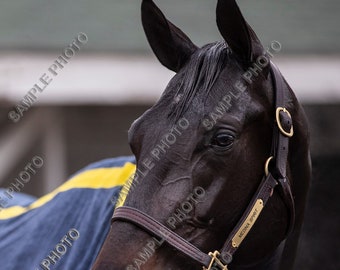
(215, 262)
(291, 132)
(266, 167)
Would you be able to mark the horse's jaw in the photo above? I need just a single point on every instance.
(129, 248)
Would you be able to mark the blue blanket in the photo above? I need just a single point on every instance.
(66, 228)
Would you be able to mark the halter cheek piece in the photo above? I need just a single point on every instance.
(276, 177)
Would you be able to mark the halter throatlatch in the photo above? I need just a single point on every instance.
(276, 176)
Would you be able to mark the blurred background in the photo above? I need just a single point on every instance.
(84, 113)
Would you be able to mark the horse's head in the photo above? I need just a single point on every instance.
(202, 147)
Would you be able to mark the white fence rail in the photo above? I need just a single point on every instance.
(119, 79)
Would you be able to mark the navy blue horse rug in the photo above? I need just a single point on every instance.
(66, 228)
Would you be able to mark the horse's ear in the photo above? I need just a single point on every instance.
(171, 46)
(236, 32)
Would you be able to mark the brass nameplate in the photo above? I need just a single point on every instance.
(247, 224)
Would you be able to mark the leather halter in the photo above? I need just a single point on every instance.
(274, 177)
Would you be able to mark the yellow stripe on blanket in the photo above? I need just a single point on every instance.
(94, 179)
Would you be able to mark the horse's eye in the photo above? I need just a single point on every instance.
(223, 140)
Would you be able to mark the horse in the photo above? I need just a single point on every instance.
(223, 160)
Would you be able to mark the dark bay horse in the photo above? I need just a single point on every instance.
(201, 151)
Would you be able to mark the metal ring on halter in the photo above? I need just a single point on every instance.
(266, 167)
(215, 261)
(291, 132)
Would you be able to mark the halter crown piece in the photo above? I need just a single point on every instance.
(282, 132)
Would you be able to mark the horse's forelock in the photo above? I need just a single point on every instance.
(198, 76)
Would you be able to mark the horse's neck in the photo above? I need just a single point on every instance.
(269, 263)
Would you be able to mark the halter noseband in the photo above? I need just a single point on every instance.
(220, 259)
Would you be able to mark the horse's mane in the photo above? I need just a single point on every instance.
(199, 75)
